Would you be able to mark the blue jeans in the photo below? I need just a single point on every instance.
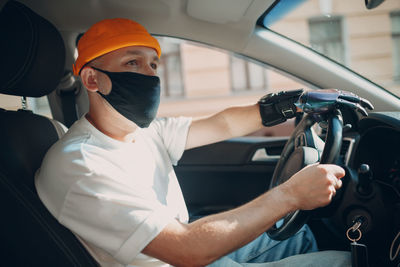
(299, 250)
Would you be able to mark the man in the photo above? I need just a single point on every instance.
(110, 178)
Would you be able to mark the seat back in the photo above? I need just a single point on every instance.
(32, 66)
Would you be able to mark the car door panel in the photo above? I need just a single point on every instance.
(224, 175)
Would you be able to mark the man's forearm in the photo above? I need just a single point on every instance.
(229, 123)
(211, 237)
(242, 120)
(238, 227)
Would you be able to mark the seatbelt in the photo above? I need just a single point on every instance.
(68, 107)
(68, 89)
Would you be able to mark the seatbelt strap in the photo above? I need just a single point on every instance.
(68, 107)
(68, 89)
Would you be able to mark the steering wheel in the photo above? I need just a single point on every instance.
(300, 151)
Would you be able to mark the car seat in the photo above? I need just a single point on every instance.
(32, 64)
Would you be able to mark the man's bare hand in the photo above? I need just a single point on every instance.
(314, 186)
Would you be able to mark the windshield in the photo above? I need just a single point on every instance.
(364, 40)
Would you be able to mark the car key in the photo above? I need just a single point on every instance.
(359, 252)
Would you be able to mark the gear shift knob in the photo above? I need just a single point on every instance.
(364, 187)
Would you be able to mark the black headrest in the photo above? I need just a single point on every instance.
(32, 52)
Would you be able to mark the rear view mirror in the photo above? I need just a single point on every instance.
(370, 4)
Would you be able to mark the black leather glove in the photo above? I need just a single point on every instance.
(276, 108)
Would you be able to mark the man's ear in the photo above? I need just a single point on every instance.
(89, 79)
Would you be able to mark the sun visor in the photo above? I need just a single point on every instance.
(218, 11)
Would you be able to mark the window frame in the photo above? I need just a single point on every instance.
(395, 48)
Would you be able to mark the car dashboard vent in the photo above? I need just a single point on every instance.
(345, 150)
(345, 147)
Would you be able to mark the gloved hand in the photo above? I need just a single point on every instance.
(321, 101)
(276, 108)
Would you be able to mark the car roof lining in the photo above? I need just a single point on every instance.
(186, 19)
(215, 10)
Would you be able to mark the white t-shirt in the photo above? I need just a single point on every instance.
(116, 196)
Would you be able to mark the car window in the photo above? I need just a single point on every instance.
(39, 105)
(198, 80)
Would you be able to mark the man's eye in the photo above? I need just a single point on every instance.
(132, 62)
(154, 66)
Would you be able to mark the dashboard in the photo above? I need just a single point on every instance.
(379, 147)
(371, 155)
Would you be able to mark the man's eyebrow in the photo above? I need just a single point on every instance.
(135, 52)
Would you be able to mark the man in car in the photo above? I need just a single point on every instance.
(110, 178)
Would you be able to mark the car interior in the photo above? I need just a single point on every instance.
(39, 41)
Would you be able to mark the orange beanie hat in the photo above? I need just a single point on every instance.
(109, 35)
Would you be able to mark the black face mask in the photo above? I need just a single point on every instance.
(135, 96)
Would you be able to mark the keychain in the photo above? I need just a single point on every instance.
(359, 252)
(393, 251)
